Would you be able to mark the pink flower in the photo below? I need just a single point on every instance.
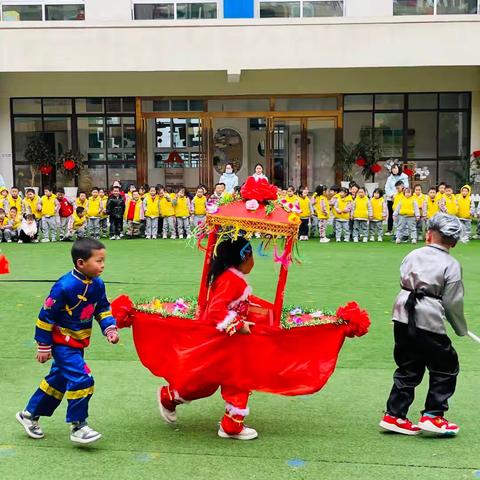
(283, 201)
(212, 208)
(252, 205)
(87, 312)
(49, 303)
(290, 206)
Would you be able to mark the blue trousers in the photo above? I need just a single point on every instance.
(70, 377)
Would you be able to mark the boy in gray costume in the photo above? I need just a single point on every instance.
(432, 292)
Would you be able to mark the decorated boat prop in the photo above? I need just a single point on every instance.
(291, 351)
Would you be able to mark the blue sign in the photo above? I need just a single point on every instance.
(238, 8)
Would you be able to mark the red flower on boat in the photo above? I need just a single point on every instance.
(46, 169)
(259, 190)
(4, 267)
(357, 319)
(69, 164)
(361, 162)
(376, 168)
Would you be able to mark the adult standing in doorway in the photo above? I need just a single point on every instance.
(229, 178)
(258, 172)
(396, 174)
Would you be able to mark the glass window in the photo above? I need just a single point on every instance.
(57, 105)
(449, 7)
(432, 178)
(454, 100)
(454, 172)
(323, 103)
(240, 105)
(27, 105)
(357, 126)
(196, 105)
(163, 132)
(16, 13)
(179, 105)
(179, 132)
(322, 8)
(358, 102)
(389, 102)
(423, 101)
(58, 134)
(413, 7)
(154, 11)
(91, 136)
(161, 106)
(279, 9)
(389, 133)
(65, 12)
(26, 129)
(453, 134)
(191, 11)
(422, 135)
(89, 105)
(119, 104)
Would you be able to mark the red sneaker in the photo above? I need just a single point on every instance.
(399, 425)
(439, 425)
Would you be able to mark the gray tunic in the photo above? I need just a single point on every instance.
(432, 270)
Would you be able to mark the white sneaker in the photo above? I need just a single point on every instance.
(246, 434)
(347, 240)
(30, 425)
(420, 238)
(380, 239)
(84, 434)
(189, 236)
(45, 240)
(365, 240)
(414, 242)
(113, 238)
(398, 241)
(324, 240)
(164, 237)
(20, 241)
(180, 237)
(372, 239)
(355, 240)
(148, 237)
(154, 237)
(118, 237)
(388, 234)
(9, 241)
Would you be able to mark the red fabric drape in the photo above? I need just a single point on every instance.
(186, 352)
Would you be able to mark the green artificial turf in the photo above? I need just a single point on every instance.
(332, 434)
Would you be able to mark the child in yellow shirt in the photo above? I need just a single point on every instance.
(32, 204)
(13, 225)
(407, 215)
(103, 213)
(305, 212)
(82, 200)
(152, 213)
(321, 207)
(466, 211)
(379, 215)
(421, 200)
(341, 211)
(448, 203)
(432, 203)
(168, 214)
(94, 211)
(181, 205)
(361, 213)
(49, 216)
(199, 206)
(79, 222)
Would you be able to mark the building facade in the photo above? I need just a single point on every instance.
(169, 91)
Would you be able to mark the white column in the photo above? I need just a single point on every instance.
(6, 169)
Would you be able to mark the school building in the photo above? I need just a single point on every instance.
(168, 91)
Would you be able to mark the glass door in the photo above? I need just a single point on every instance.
(320, 152)
(286, 155)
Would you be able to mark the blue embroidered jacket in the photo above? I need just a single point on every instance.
(67, 314)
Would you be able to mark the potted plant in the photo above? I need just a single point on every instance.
(40, 158)
(368, 154)
(70, 164)
(345, 161)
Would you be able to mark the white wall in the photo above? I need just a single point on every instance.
(369, 8)
(183, 46)
(107, 11)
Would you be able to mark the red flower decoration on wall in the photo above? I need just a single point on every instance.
(376, 168)
(259, 190)
(360, 162)
(476, 154)
(408, 172)
(46, 169)
(69, 164)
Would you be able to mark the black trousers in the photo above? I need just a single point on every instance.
(414, 354)
(26, 238)
(303, 230)
(116, 226)
(390, 215)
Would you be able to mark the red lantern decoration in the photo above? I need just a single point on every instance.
(376, 168)
(408, 172)
(360, 162)
(476, 154)
(4, 266)
(69, 164)
(46, 169)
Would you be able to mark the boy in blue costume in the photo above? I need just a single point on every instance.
(63, 331)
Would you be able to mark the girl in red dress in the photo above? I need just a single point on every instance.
(227, 309)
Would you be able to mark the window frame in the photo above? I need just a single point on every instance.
(435, 11)
(258, 2)
(43, 4)
(219, 4)
(405, 111)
